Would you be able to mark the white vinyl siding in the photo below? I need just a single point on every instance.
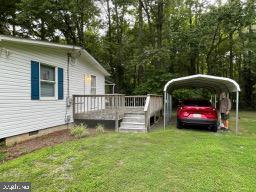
(18, 113)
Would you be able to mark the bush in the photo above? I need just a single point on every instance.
(2, 156)
(79, 131)
(100, 128)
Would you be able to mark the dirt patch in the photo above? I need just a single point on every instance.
(38, 143)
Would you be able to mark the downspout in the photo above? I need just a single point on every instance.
(68, 65)
(67, 117)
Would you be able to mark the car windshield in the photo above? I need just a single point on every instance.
(199, 103)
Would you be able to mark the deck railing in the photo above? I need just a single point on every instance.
(153, 105)
(135, 101)
(88, 103)
(114, 103)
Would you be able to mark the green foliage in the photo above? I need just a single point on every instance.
(191, 93)
(100, 128)
(8, 10)
(155, 84)
(79, 131)
(2, 156)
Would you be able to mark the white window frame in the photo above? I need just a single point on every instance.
(55, 97)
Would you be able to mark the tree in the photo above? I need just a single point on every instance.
(8, 11)
(144, 43)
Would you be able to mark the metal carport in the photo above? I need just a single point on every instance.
(215, 84)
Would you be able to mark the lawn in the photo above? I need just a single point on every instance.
(171, 160)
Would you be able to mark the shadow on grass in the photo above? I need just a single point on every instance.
(160, 124)
(202, 128)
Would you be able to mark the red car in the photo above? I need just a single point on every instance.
(197, 112)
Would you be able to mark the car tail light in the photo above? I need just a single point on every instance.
(184, 114)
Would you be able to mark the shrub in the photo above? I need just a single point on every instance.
(100, 128)
(2, 156)
(79, 131)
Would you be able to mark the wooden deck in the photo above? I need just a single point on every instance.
(106, 114)
(100, 108)
(103, 114)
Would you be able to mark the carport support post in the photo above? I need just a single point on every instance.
(215, 101)
(237, 105)
(164, 108)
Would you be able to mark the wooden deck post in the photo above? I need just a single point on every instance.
(74, 107)
(116, 109)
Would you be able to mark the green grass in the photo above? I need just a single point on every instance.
(171, 160)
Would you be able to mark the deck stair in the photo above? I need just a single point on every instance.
(133, 122)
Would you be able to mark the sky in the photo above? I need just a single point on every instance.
(214, 1)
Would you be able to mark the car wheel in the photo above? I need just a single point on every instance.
(214, 128)
(178, 125)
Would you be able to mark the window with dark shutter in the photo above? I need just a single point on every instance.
(46, 81)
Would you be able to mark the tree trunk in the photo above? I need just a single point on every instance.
(192, 69)
(159, 22)
(231, 67)
(43, 31)
(145, 6)
(140, 72)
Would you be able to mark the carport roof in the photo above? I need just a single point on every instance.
(214, 83)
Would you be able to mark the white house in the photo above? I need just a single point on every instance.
(36, 83)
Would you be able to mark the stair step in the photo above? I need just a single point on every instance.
(133, 130)
(133, 123)
(134, 115)
(134, 119)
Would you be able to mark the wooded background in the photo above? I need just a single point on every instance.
(145, 43)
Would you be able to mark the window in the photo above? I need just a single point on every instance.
(93, 85)
(47, 80)
(198, 103)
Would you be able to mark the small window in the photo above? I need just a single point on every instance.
(47, 80)
(197, 103)
(93, 85)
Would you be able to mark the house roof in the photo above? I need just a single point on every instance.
(213, 83)
(90, 58)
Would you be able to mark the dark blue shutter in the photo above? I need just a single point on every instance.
(60, 83)
(35, 80)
